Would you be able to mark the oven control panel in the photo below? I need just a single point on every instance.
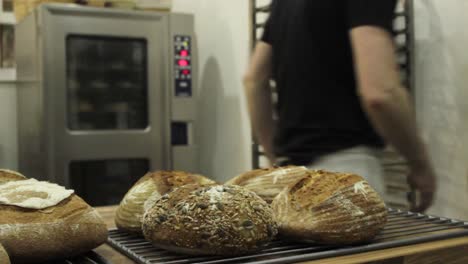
(183, 65)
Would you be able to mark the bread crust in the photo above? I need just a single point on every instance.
(269, 182)
(154, 184)
(330, 208)
(4, 259)
(9, 175)
(210, 220)
(68, 229)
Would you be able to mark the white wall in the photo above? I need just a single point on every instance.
(223, 38)
(442, 97)
(8, 129)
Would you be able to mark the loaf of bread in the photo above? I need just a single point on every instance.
(210, 220)
(330, 208)
(146, 191)
(4, 259)
(41, 221)
(268, 183)
(9, 175)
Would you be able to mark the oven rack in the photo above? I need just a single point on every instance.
(402, 229)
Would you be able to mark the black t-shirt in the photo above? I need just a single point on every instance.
(318, 107)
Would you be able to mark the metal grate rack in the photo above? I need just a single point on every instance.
(403, 229)
(88, 258)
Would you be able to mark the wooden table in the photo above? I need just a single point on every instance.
(450, 251)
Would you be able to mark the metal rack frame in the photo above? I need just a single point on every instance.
(90, 257)
(255, 9)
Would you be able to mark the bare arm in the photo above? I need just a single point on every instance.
(259, 97)
(388, 105)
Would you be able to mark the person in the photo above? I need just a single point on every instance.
(340, 99)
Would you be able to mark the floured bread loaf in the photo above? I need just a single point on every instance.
(268, 183)
(148, 190)
(63, 227)
(210, 220)
(4, 259)
(330, 208)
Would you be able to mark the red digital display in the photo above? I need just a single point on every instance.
(186, 72)
(184, 53)
(183, 63)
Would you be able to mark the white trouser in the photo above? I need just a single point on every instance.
(360, 160)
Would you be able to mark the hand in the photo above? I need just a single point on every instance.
(271, 159)
(422, 181)
(269, 155)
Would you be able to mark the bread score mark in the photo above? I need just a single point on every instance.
(360, 187)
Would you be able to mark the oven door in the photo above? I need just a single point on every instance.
(105, 79)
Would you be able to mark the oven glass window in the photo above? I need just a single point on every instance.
(105, 182)
(107, 85)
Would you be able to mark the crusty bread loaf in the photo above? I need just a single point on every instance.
(330, 208)
(146, 191)
(4, 259)
(9, 175)
(268, 183)
(66, 229)
(210, 220)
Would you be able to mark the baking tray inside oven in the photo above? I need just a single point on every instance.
(403, 229)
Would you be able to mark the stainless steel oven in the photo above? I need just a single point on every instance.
(105, 96)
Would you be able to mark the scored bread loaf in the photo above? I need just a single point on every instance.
(210, 220)
(4, 259)
(268, 183)
(330, 208)
(68, 228)
(146, 191)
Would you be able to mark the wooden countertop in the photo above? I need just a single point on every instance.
(105, 250)
(450, 251)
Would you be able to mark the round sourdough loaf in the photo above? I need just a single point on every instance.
(210, 220)
(146, 191)
(330, 208)
(4, 259)
(268, 183)
(69, 227)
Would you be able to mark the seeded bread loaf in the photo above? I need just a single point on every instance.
(68, 228)
(146, 191)
(210, 220)
(268, 183)
(330, 208)
(4, 259)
